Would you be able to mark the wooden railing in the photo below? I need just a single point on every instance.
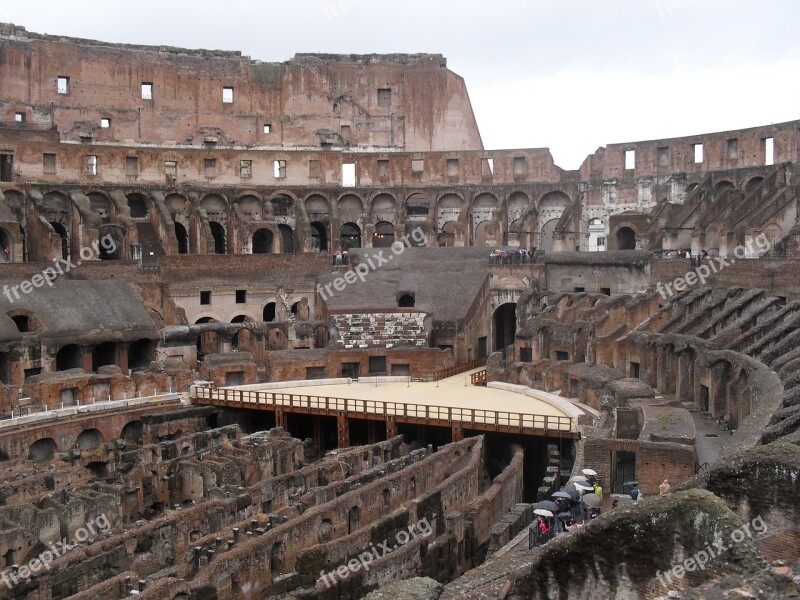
(459, 368)
(438, 415)
(478, 378)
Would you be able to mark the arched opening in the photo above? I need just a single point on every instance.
(350, 236)
(287, 239)
(417, 207)
(24, 321)
(43, 449)
(89, 439)
(6, 246)
(132, 433)
(103, 355)
(141, 353)
(203, 320)
(720, 187)
(249, 208)
(295, 306)
(406, 301)
(5, 368)
(282, 206)
(319, 237)
(218, 232)
(547, 235)
(269, 312)
(384, 235)
(183, 238)
(137, 206)
(752, 185)
(626, 239)
(447, 236)
(111, 243)
(240, 319)
(262, 241)
(69, 357)
(505, 326)
(100, 204)
(62, 232)
(99, 469)
(276, 559)
(353, 519)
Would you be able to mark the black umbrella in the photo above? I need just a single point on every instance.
(573, 492)
(548, 505)
(563, 515)
(632, 483)
(562, 495)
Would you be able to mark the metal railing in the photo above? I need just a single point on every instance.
(359, 408)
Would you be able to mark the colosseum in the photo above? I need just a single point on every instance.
(288, 330)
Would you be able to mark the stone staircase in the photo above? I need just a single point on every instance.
(152, 250)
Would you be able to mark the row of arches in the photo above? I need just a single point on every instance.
(89, 439)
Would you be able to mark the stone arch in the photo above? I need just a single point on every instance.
(384, 235)
(89, 439)
(25, 320)
(105, 354)
(269, 312)
(552, 205)
(287, 239)
(317, 207)
(57, 207)
(484, 209)
(350, 207)
(218, 233)
(137, 204)
(626, 238)
(62, 233)
(384, 208)
(100, 204)
(112, 242)
(141, 353)
(43, 449)
(282, 204)
(547, 235)
(448, 208)
(216, 208)
(182, 236)
(177, 203)
(504, 322)
(69, 357)
(518, 204)
(417, 207)
(350, 234)
(721, 186)
(250, 207)
(132, 432)
(319, 236)
(752, 184)
(263, 241)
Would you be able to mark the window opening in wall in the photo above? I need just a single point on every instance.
(210, 167)
(698, 153)
(205, 297)
(49, 163)
(560, 355)
(417, 165)
(227, 95)
(171, 169)
(91, 165)
(279, 169)
(519, 165)
(105, 123)
(635, 370)
(348, 175)
(131, 166)
(19, 117)
(385, 97)
(769, 151)
(314, 169)
(246, 169)
(526, 355)
(383, 168)
(630, 159)
(452, 167)
(241, 296)
(733, 148)
(147, 90)
(488, 166)
(62, 85)
(345, 132)
(606, 291)
(6, 167)
(267, 127)
(663, 156)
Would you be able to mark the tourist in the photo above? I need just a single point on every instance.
(7, 252)
(663, 488)
(598, 490)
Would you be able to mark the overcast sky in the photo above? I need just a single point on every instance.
(565, 74)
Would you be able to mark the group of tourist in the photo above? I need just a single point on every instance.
(509, 257)
(686, 253)
(341, 259)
